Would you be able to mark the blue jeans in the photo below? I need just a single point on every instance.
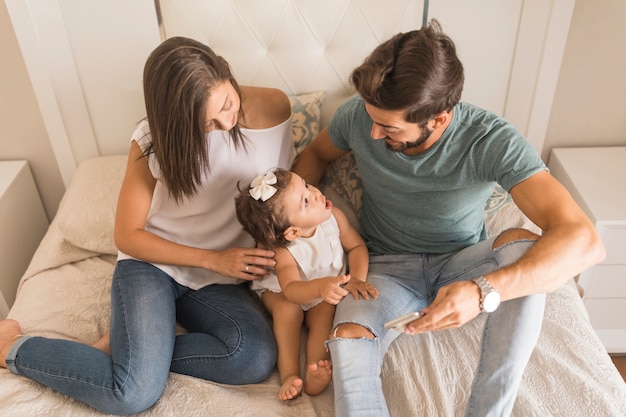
(230, 341)
(409, 283)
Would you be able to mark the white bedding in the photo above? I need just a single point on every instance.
(65, 294)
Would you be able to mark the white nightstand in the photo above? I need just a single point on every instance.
(23, 222)
(596, 179)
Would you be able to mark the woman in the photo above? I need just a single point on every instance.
(182, 254)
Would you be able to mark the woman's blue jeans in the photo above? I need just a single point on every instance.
(409, 283)
(230, 341)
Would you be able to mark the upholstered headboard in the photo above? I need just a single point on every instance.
(297, 46)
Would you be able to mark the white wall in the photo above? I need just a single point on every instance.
(589, 107)
(23, 134)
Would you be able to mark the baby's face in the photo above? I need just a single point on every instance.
(306, 207)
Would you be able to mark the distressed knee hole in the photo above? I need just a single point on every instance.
(512, 235)
(351, 331)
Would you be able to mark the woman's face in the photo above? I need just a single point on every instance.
(222, 107)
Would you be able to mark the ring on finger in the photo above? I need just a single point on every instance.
(247, 267)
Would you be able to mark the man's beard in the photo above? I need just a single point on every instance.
(401, 147)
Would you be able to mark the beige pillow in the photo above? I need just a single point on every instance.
(87, 212)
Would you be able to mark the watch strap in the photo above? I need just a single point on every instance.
(485, 289)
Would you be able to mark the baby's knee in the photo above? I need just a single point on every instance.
(351, 331)
(512, 235)
(286, 311)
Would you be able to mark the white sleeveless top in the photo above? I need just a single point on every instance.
(208, 219)
(318, 256)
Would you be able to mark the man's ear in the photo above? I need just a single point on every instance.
(440, 119)
(292, 233)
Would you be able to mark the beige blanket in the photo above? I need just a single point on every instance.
(65, 294)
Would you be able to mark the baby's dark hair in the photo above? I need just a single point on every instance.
(264, 220)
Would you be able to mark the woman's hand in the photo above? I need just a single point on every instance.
(243, 263)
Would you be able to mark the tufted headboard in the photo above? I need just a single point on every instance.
(297, 46)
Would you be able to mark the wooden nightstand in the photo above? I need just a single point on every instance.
(23, 222)
(596, 179)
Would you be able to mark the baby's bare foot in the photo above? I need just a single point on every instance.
(318, 377)
(104, 344)
(291, 388)
(10, 331)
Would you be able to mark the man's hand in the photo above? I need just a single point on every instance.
(454, 305)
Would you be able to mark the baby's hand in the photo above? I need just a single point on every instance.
(357, 287)
(331, 289)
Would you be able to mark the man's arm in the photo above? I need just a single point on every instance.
(314, 158)
(568, 245)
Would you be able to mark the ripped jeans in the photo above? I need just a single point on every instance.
(409, 283)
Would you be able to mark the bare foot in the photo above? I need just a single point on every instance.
(10, 330)
(104, 344)
(291, 388)
(318, 377)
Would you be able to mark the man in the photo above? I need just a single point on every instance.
(428, 164)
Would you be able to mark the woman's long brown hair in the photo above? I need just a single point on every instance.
(178, 78)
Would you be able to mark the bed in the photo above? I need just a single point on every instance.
(65, 294)
(65, 291)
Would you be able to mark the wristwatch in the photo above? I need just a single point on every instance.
(489, 297)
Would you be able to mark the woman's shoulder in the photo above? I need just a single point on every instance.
(264, 107)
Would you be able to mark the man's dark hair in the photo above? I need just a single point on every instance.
(417, 72)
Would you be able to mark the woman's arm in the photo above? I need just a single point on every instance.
(132, 238)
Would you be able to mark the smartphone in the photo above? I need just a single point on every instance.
(399, 322)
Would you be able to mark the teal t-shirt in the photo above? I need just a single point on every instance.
(433, 202)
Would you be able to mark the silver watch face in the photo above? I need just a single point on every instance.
(491, 302)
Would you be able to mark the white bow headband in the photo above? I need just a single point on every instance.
(261, 187)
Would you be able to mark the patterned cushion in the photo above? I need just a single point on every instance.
(499, 198)
(305, 117)
(343, 176)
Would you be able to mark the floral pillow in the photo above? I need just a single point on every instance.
(343, 176)
(305, 119)
(499, 198)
